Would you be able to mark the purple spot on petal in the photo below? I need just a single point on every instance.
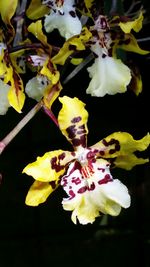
(76, 180)
(72, 194)
(72, 13)
(105, 180)
(76, 119)
(82, 190)
(91, 187)
(71, 131)
(61, 156)
(102, 153)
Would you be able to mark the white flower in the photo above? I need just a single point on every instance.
(109, 75)
(63, 18)
(35, 87)
(92, 191)
(4, 103)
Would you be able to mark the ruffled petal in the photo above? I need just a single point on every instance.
(50, 166)
(93, 194)
(64, 19)
(109, 76)
(119, 147)
(39, 192)
(78, 199)
(72, 121)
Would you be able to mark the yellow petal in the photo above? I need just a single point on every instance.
(51, 94)
(76, 61)
(36, 10)
(16, 94)
(50, 71)
(129, 43)
(49, 167)
(120, 146)
(75, 43)
(129, 161)
(135, 25)
(7, 10)
(72, 120)
(36, 29)
(136, 84)
(39, 192)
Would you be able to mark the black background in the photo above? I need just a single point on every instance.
(45, 236)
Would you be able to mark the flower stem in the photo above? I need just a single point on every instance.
(19, 126)
(51, 115)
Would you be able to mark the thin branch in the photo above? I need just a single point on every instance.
(19, 126)
(132, 6)
(78, 68)
(143, 39)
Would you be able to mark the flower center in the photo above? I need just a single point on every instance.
(87, 171)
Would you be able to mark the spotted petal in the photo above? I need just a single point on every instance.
(96, 194)
(75, 43)
(64, 19)
(39, 192)
(72, 120)
(129, 43)
(120, 148)
(50, 166)
(136, 24)
(16, 94)
(50, 71)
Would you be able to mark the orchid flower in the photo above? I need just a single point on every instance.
(109, 75)
(10, 79)
(46, 82)
(62, 17)
(84, 173)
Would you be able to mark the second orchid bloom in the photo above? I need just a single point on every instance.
(84, 173)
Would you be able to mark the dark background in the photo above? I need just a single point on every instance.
(45, 235)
